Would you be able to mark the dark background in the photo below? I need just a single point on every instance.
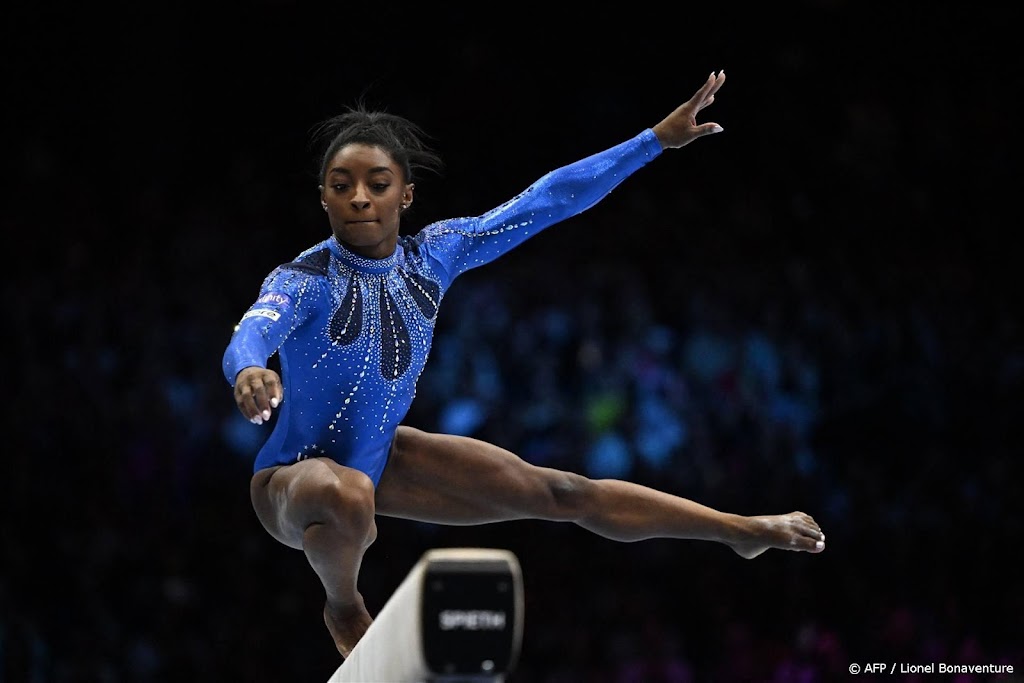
(818, 309)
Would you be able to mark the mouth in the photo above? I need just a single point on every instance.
(359, 222)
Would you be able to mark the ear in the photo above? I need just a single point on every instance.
(407, 195)
(323, 199)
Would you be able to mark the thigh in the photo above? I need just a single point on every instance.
(451, 479)
(289, 498)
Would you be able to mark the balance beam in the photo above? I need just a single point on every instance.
(457, 616)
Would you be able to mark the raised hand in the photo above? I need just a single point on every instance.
(680, 127)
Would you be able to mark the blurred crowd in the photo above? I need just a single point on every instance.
(843, 339)
(887, 416)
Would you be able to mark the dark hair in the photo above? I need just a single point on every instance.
(403, 140)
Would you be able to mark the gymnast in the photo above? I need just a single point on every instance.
(352, 319)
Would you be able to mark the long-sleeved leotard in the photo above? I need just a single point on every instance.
(353, 334)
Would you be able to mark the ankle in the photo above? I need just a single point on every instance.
(740, 529)
(344, 608)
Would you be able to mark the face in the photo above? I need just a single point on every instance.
(364, 194)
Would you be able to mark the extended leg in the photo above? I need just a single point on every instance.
(459, 480)
(327, 511)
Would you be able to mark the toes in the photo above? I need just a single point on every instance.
(816, 535)
(812, 528)
(812, 538)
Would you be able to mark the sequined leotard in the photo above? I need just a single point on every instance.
(353, 334)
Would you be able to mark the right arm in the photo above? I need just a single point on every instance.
(283, 303)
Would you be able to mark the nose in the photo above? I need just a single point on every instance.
(361, 199)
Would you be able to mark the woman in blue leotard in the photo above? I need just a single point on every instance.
(352, 319)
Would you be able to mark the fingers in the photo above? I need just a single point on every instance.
(257, 393)
(705, 90)
(707, 129)
(719, 82)
(710, 87)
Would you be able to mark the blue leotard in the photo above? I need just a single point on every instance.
(353, 333)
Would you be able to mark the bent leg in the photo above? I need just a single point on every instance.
(459, 480)
(327, 511)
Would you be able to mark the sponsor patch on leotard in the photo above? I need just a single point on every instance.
(262, 313)
(276, 298)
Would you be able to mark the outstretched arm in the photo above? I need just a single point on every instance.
(456, 245)
(680, 127)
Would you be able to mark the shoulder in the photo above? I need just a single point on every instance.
(308, 271)
(439, 229)
(313, 261)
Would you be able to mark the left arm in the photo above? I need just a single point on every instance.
(460, 244)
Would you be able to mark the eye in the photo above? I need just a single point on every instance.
(380, 187)
(339, 187)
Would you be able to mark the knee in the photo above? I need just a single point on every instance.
(346, 501)
(567, 494)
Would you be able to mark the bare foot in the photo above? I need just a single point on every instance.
(347, 626)
(795, 531)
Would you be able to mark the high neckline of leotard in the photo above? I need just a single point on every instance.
(361, 263)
